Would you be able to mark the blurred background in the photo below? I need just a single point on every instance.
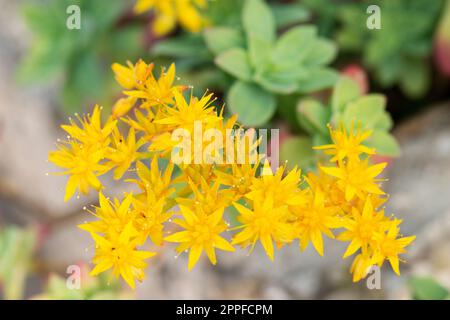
(48, 72)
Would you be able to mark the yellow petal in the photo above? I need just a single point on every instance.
(182, 236)
(316, 238)
(267, 243)
(222, 244)
(352, 247)
(101, 267)
(194, 255)
(211, 254)
(394, 264)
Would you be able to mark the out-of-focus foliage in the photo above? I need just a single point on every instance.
(399, 52)
(16, 250)
(423, 288)
(194, 53)
(79, 59)
(264, 65)
(103, 287)
(325, 14)
(17, 247)
(347, 106)
(442, 42)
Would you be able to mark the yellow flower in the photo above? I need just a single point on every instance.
(283, 190)
(132, 76)
(264, 223)
(113, 217)
(145, 123)
(119, 253)
(123, 106)
(91, 131)
(314, 219)
(159, 183)
(123, 152)
(327, 184)
(389, 246)
(239, 179)
(208, 197)
(347, 146)
(157, 92)
(362, 228)
(168, 12)
(150, 215)
(361, 266)
(201, 233)
(356, 177)
(82, 164)
(184, 115)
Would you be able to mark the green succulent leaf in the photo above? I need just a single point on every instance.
(287, 14)
(427, 289)
(345, 91)
(258, 20)
(220, 39)
(322, 52)
(365, 111)
(294, 45)
(236, 62)
(259, 52)
(278, 82)
(298, 152)
(384, 122)
(384, 143)
(313, 116)
(318, 79)
(254, 105)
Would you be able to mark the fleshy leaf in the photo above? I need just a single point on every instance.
(254, 105)
(235, 61)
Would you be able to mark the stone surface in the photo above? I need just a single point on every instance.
(27, 125)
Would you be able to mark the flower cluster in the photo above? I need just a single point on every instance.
(275, 208)
(169, 12)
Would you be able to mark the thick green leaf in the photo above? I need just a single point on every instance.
(322, 52)
(384, 143)
(235, 61)
(254, 105)
(313, 116)
(279, 82)
(259, 52)
(287, 14)
(298, 152)
(258, 20)
(384, 122)
(220, 39)
(318, 79)
(427, 289)
(365, 111)
(345, 91)
(293, 45)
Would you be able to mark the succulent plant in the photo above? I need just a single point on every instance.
(264, 65)
(399, 52)
(79, 58)
(347, 106)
